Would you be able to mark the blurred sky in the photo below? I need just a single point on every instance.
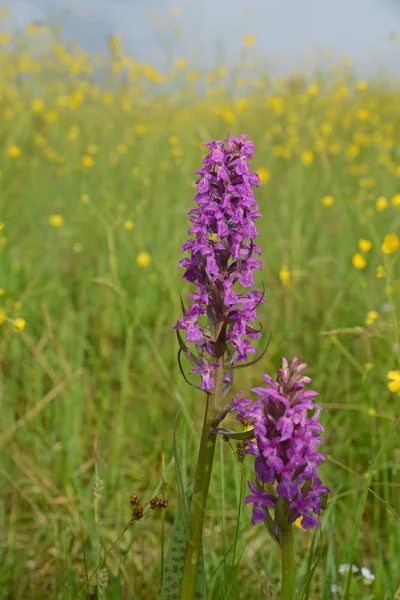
(292, 32)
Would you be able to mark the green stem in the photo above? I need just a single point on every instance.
(200, 491)
(287, 583)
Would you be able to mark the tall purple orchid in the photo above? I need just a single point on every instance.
(222, 254)
(286, 459)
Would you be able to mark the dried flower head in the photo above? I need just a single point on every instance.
(286, 460)
(223, 256)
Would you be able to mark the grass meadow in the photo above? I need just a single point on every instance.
(97, 166)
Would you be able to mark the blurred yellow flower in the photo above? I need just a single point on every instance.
(19, 324)
(364, 245)
(87, 161)
(2, 316)
(381, 204)
(77, 247)
(359, 261)
(394, 381)
(37, 105)
(180, 63)
(284, 275)
(143, 260)
(176, 151)
(2, 292)
(17, 305)
(371, 317)
(85, 198)
(327, 201)
(249, 39)
(264, 174)
(173, 140)
(56, 220)
(361, 85)
(363, 114)
(73, 133)
(307, 157)
(368, 366)
(128, 225)
(380, 271)
(122, 148)
(313, 89)
(396, 200)
(175, 11)
(353, 150)
(14, 151)
(1, 226)
(390, 243)
(4, 38)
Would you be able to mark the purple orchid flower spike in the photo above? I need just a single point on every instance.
(286, 436)
(223, 258)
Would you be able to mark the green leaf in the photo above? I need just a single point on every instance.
(172, 576)
(234, 435)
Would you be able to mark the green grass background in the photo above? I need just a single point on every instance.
(97, 359)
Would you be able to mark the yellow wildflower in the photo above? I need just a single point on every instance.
(85, 198)
(143, 260)
(381, 204)
(2, 292)
(371, 317)
(390, 243)
(37, 105)
(327, 201)
(307, 157)
(1, 226)
(368, 366)
(284, 275)
(56, 220)
(122, 148)
(17, 305)
(249, 39)
(128, 225)
(394, 381)
(396, 200)
(14, 151)
(364, 245)
(173, 140)
(19, 324)
(180, 63)
(2, 316)
(264, 174)
(87, 161)
(359, 261)
(361, 85)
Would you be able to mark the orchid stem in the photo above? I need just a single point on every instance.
(200, 491)
(287, 583)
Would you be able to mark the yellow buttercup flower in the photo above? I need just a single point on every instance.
(394, 381)
(359, 261)
(128, 225)
(364, 245)
(143, 260)
(284, 275)
(14, 151)
(264, 174)
(390, 243)
(56, 221)
(19, 324)
(87, 161)
(371, 317)
(396, 200)
(249, 39)
(327, 201)
(180, 63)
(307, 157)
(381, 204)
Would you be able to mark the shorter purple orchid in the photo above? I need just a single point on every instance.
(286, 436)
